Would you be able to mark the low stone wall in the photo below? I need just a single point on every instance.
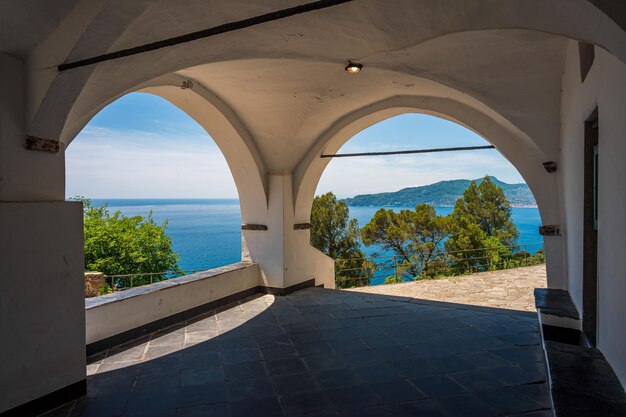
(112, 314)
(93, 282)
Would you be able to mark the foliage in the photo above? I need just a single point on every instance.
(523, 258)
(496, 254)
(481, 219)
(116, 245)
(478, 236)
(394, 280)
(105, 289)
(338, 237)
(414, 236)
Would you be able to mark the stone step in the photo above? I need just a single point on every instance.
(555, 308)
(583, 383)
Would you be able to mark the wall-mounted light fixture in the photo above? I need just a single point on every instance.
(353, 67)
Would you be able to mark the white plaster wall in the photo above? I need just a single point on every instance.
(304, 262)
(42, 319)
(285, 255)
(24, 175)
(604, 87)
(111, 315)
(266, 246)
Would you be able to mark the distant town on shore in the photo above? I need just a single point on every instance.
(441, 194)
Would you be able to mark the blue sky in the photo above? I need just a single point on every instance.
(141, 146)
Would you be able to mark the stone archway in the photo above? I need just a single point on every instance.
(523, 154)
(229, 134)
(55, 95)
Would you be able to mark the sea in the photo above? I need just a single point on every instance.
(206, 233)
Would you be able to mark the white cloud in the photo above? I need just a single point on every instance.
(114, 163)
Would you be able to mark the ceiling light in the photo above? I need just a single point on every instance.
(353, 68)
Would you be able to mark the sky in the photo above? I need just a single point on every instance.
(142, 146)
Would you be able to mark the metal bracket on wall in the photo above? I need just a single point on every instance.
(550, 230)
(550, 166)
(247, 226)
(302, 226)
(34, 143)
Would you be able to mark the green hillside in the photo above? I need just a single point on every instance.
(441, 194)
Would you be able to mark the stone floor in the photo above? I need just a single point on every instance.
(325, 353)
(510, 288)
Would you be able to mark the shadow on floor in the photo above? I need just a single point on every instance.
(321, 353)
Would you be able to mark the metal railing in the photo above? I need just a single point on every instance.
(357, 272)
(122, 282)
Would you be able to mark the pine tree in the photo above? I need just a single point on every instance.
(337, 236)
(414, 236)
(481, 219)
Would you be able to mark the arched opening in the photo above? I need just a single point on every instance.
(279, 98)
(400, 182)
(143, 156)
(513, 143)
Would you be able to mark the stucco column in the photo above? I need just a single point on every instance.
(41, 261)
(25, 175)
(283, 251)
(549, 200)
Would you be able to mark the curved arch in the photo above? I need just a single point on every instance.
(559, 17)
(248, 171)
(229, 134)
(510, 141)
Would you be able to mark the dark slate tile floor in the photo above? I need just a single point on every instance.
(325, 353)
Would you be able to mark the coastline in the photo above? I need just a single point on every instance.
(434, 205)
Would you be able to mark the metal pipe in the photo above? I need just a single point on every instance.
(412, 151)
(201, 34)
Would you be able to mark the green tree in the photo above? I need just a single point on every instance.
(116, 245)
(414, 236)
(337, 236)
(482, 227)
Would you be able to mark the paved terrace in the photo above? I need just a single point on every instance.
(510, 288)
(325, 353)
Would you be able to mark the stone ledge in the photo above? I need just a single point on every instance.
(117, 318)
(555, 302)
(163, 285)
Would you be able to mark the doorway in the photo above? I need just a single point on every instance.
(590, 230)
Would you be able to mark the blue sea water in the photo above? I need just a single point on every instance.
(206, 233)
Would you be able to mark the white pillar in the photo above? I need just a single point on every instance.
(41, 261)
(285, 254)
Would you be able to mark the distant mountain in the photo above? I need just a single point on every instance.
(441, 194)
